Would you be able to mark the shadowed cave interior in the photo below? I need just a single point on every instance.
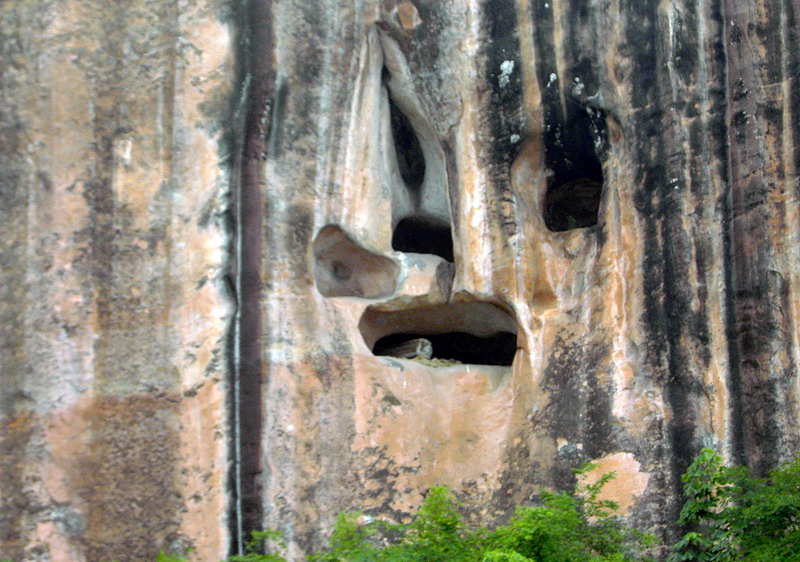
(458, 347)
(420, 232)
(423, 236)
(573, 151)
(410, 158)
(475, 333)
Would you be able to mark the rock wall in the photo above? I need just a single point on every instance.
(114, 440)
(472, 243)
(592, 205)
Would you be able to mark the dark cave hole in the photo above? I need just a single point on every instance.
(410, 158)
(574, 151)
(459, 347)
(423, 236)
(470, 332)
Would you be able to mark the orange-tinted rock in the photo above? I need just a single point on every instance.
(588, 210)
(112, 253)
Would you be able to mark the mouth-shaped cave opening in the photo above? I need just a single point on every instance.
(573, 150)
(474, 333)
(451, 347)
(421, 235)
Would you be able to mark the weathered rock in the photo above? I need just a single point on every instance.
(663, 323)
(114, 433)
(589, 209)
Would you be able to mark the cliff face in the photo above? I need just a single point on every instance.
(113, 440)
(477, 243)
(591, 205)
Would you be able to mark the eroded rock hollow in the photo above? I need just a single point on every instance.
(586, 212)
(265, 263)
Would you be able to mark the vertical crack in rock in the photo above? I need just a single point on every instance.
(258, 110)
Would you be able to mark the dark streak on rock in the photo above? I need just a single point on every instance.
(666, 301)
(255, 70)
(15, 434)
(453, 188)
(791, 50)
(502, 73)
(763, 351)
(686, 48)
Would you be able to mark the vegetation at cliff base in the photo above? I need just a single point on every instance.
(729, 516)
(732, 516)
(564, 527)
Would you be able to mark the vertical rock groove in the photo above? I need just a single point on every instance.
(259, 109)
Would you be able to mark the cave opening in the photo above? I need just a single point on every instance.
(451, 347)
(470, 332)
(574, 150)
(421, 235)
(408, 150)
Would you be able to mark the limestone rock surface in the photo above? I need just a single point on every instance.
(611, 190)
(218, 220)
(114, 435)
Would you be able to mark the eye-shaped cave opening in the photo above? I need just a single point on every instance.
(574, 151)
(410, 158)
(421, 235)
(475, 333)
(424, 226)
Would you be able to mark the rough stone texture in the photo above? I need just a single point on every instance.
(668, 325)
(589, 208)
(113, 424)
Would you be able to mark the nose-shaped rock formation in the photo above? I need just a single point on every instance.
(342, 268)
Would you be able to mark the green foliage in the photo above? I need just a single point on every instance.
(766, 518)
(568, 527)
(164, 557)
(710, 488)
(255, 547)
(732, 516)
(565, 527)
(437, 533)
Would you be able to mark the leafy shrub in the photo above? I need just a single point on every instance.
(730, 516)
(566, 527)
(254, 548)
(733, 516)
